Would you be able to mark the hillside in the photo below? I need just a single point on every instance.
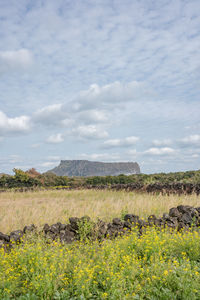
(90, 168)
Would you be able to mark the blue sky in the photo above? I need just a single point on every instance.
(104, 80)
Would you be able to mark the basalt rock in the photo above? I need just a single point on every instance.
(74, 223)
(184, 208)
(4, 237)
(16, 236)
(101, 229)
(115, 230)
(128, 225)
(159, 188)
(30, 228)
(186, 218)
(182, 226)
(171, 222)
(174, 212)
(67, 236)
(133, 219)
(152, 220)
(46, 228)
(4, 241)
(198, 210)
(87, 168)
(117, 222)
(159, 222)
(165, 216)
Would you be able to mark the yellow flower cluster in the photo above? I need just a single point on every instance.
(160, 264)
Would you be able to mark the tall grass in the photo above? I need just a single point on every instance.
(20, 209)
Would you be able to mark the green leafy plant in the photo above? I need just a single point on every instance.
(86, 229)
(124, 212)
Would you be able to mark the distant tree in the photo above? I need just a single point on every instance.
(4, 181)
(33, 173)
(21, 176)
(23, 179)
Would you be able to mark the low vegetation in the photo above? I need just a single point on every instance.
(32, 178)
(157, 264)
(39, 207)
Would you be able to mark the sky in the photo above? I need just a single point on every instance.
(102, 80)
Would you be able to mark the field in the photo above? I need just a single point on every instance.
(157, 265)
(20, 209)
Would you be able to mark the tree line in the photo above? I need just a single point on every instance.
(33, 179)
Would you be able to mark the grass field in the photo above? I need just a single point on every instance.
(20, 209)
(158, 265)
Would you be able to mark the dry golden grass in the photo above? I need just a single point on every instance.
(20, 209)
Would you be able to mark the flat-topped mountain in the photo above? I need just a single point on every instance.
(94, 168)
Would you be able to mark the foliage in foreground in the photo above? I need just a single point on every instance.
(157, 265)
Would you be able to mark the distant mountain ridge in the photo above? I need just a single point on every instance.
(94, 168)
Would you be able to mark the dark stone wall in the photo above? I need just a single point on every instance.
(178, 218)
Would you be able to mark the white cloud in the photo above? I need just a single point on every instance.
(67, 123)
(90, 132)
(10, 126)
(55, 138)
(11, 60)
(132, 152)
(164, 142)
(53, 158)
(160, 151)
(112, 143)
(126, 142)
(93, 116)
(190, 141)
(88, 107)
(34, 146)
(195, 155)
(130, 140)
(106, 95)
(50, 115)
(49, 164)
(14, 158)
(101, 156)
(62, 115)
